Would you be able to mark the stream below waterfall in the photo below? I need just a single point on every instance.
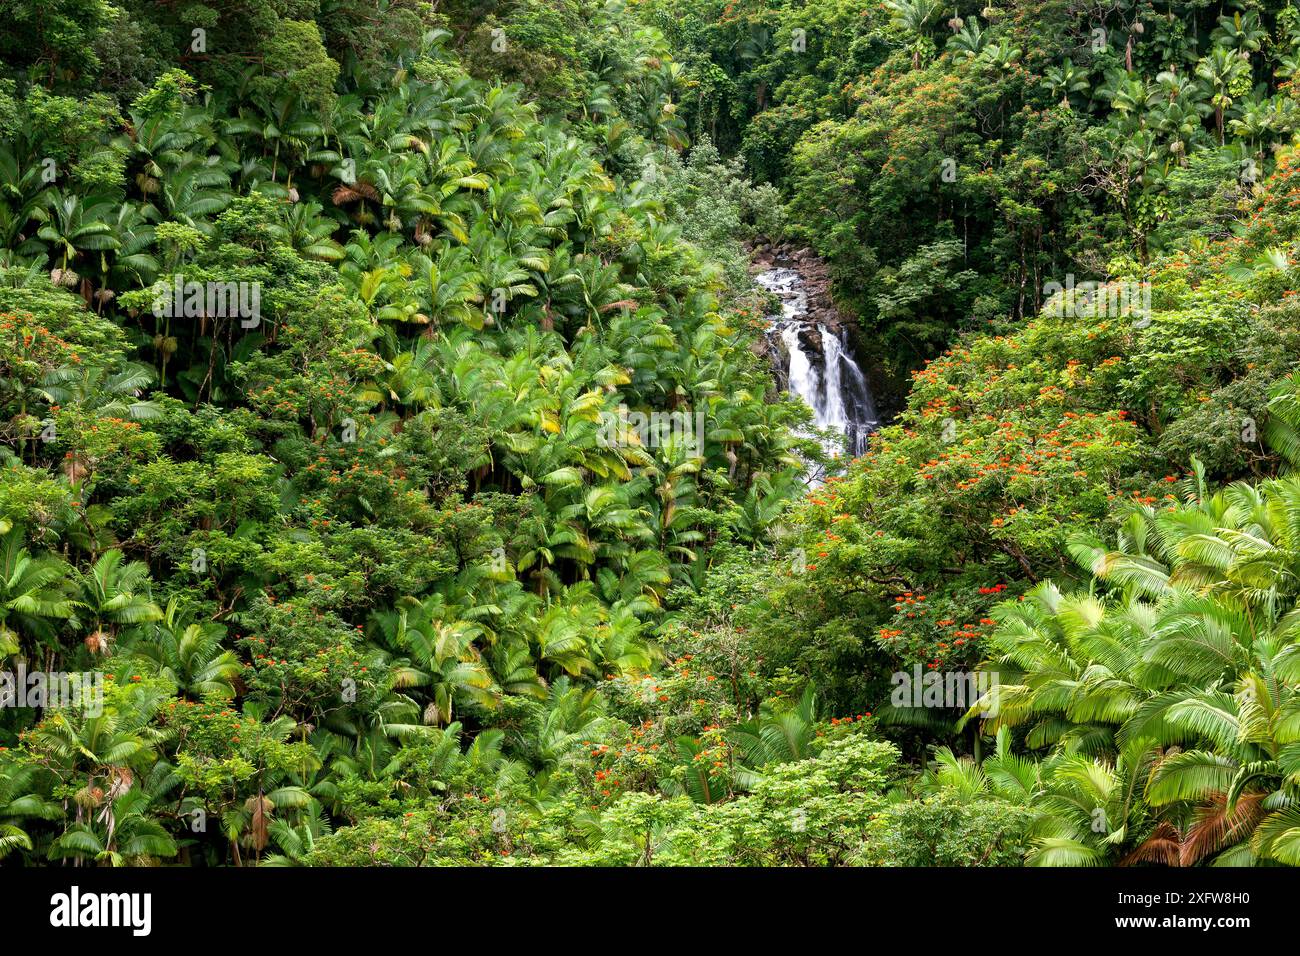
(820, 369)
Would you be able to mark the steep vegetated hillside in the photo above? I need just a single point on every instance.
(385, 434)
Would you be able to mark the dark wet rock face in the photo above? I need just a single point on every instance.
(810, 341)
(819, 306)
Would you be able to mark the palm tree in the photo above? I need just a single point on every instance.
(279, 124)
(121, 834)
(1253, 122)
(778, 735)
(968, 37)
(23, 194)
(1178, 122)
(453, 289)
(73, 227)
(914, 16)
(113, 594)
(437, 656)
(309, 233)
(1001, 56)
(1127, 92)
(556, 726)
(296, 841)
(1242, 34)
(108, 394)
(133, 265)
(1282, 427)
(34, 593)
(251, 823)
(1063, 79)
(1188, 669)
(190, 654)
(189, 189)
(21, 800)
(1086, 810)
(1220, 71)
(1244, 772)
(409, 381)
(99, 751)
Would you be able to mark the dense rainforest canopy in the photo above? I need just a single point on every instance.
(388, 433)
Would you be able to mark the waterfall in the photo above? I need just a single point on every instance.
(828, 379)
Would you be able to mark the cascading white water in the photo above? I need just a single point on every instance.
(830, 383)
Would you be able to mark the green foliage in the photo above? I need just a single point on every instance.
(946, 831)
(378, 567)
(1041, 137)
(376, 502)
